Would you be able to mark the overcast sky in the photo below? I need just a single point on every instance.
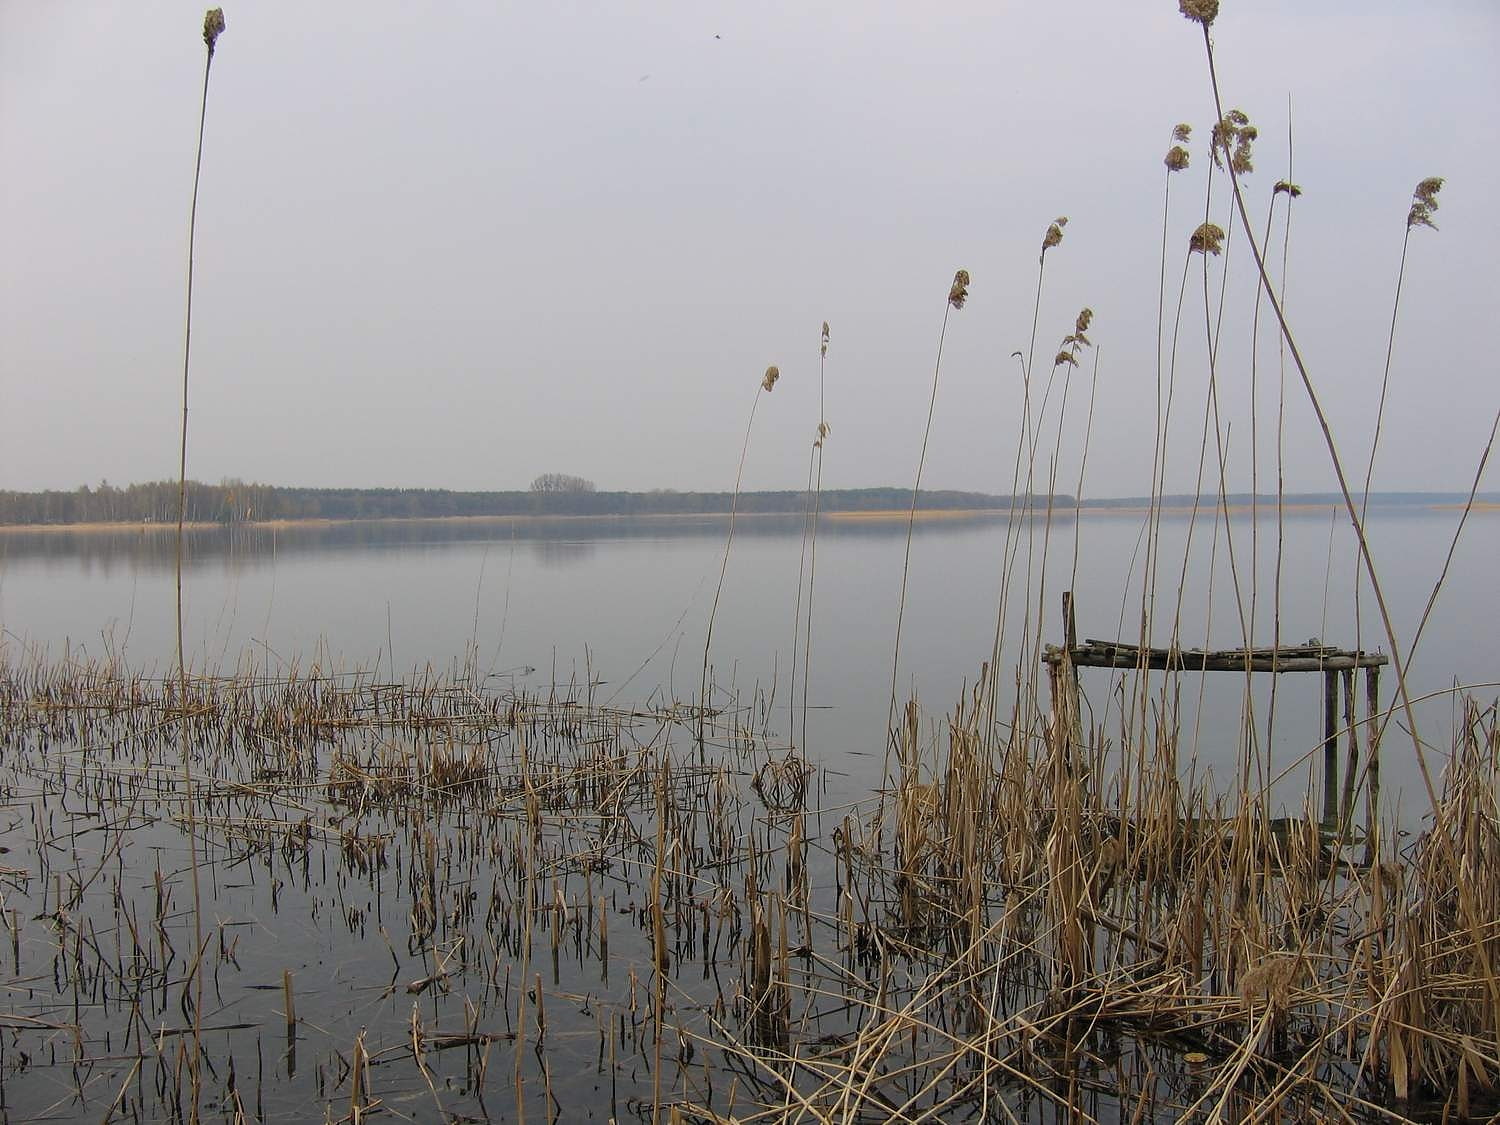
(458, 246)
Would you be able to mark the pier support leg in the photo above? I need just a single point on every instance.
(1330, 748)
(1351, 761)
(1372, 764)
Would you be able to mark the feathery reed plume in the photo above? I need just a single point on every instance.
(1053, 237)
(1424, 203)
(766, 385)
(1207, 239)
(958, 293)
(213, 27)
(1199, 11)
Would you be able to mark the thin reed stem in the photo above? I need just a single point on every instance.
(213, 24)
(1398, 664)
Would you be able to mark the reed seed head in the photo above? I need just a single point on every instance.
(1182, 133)
(1065, 357)
(1207, 239)
(1232, 137)
(213, 27)
(1177, 158)
(1199, 11)
(1291, 189)
(1424, 203)
(1054, 234)
(823, 347)
(768, 382)
(1085, 318)
(959, 292)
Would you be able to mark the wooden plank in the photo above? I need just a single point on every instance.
(1103, 655)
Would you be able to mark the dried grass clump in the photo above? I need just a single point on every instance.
(781, 783)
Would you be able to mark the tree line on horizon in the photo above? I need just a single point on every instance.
(236, 502)
(552, 494)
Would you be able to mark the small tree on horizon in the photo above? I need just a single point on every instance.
(561, 482)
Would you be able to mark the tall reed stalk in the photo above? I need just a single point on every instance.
(812, 561)
(1203, 13)
(766, 385)
(213, 27)
(958, 293)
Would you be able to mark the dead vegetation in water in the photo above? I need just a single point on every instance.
(1033, 925)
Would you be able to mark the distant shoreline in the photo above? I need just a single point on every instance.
(883, 515)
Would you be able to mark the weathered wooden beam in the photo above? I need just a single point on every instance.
(1198, 660)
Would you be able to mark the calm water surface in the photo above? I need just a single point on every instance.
(625, 603)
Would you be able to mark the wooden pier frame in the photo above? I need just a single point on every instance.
(1337, 665)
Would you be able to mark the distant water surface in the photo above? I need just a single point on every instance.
(624, 603)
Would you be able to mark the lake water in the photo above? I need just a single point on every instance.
(370, 890)
(625, 603)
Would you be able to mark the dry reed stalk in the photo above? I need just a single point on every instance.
(213, 27)
(766, 385)
(958, 295)
(1337, 463)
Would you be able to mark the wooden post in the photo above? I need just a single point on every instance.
(1330, 748)
(1372, 764)
(1351, 762)
(1070, 680)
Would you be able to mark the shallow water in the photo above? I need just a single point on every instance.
(625, 603)
(390, 891)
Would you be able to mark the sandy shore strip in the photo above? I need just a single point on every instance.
(882, 515)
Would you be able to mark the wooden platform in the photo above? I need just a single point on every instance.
(1339, 667)
(1287, 658)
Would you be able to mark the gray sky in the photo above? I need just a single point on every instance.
(460, 249)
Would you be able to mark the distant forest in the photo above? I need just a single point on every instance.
(239, 502)
(552, 494)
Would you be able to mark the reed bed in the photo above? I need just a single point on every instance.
(431, 896)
